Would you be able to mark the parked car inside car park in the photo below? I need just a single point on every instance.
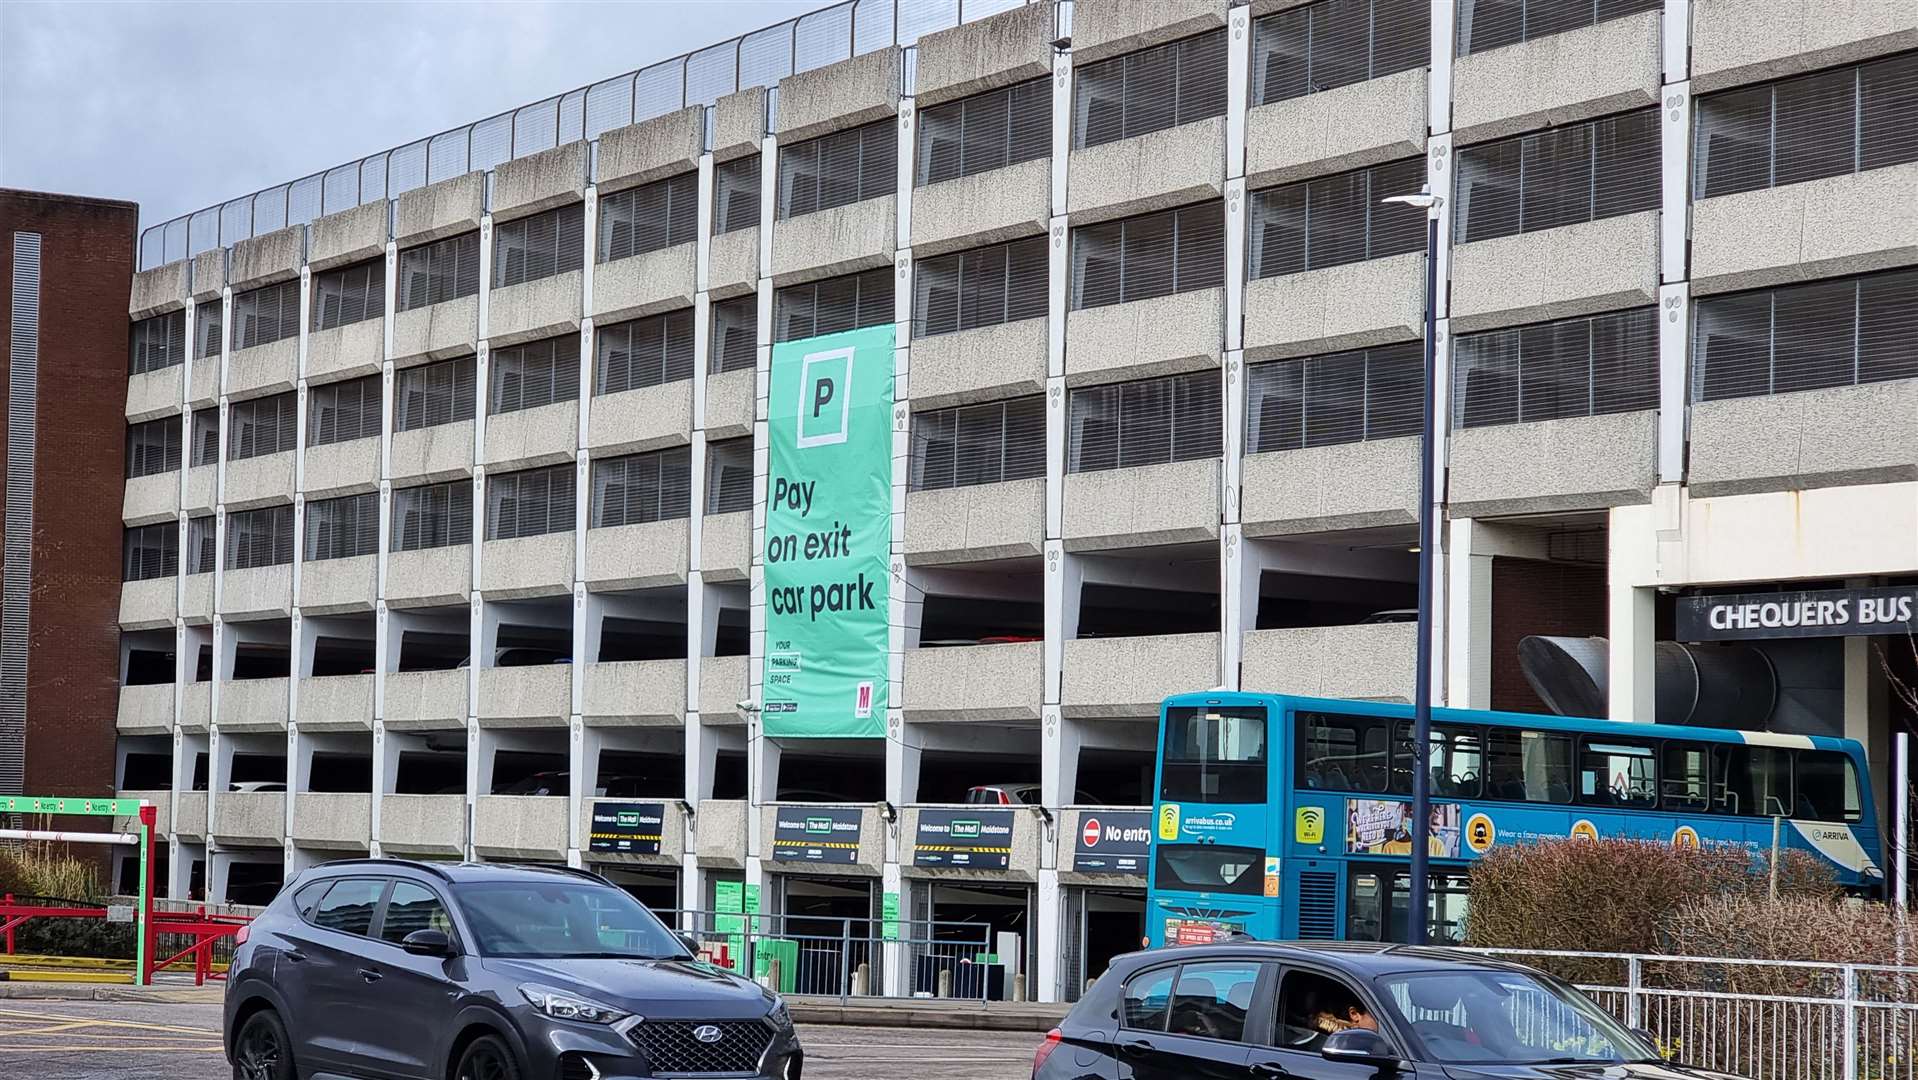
(1339, 1011)
(387, 968)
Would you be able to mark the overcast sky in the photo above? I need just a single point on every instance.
(178, 106)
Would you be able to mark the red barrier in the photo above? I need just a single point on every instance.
(206, 930)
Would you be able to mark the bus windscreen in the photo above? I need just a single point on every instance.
(1213, 868)
(1214, 754)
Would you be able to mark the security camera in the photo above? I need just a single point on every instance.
(746, 706)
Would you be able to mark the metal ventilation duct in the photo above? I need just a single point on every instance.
(1726, 686)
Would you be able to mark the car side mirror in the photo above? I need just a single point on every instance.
(428, 942)
(688, 940)
(1360, 1046)
(1649, 1039)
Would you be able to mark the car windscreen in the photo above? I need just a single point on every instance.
(1481, 1017)
(550, 920)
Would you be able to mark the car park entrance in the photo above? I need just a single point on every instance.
(1100, 923)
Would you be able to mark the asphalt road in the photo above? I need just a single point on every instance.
(94, 1040)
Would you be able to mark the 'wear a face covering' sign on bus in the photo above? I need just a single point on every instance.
(828, 535)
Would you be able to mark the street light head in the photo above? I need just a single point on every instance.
(1424, 200)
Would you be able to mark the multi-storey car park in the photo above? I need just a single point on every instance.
(447, 468)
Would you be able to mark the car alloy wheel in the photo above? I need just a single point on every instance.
(487, 1059)
(261, 1050)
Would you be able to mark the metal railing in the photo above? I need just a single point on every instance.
(851, 957)
(1764, 1019)
(761, 58)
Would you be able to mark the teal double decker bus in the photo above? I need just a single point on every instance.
(1290, 817)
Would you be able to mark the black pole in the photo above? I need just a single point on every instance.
(1417, 904)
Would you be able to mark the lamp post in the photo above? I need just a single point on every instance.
(1418, 913)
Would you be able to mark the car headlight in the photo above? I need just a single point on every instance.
(781, 1017)
(561, 1005)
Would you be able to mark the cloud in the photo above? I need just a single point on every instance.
(179, 106)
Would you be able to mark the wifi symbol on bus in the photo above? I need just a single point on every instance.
(1310, 825)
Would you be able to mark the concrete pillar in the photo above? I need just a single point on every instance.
(1631, 634)
(1468, 583)
(1065, 578)
(892, 954)
(1868, 719)
(903, 756)
(1061, 738)
(1050, 918)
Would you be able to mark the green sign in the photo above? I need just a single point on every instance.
(828, 536)
(728, 902)
(30, 804)
(889, 909)
(752, 908)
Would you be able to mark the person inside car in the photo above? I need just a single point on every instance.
(1352, 1015)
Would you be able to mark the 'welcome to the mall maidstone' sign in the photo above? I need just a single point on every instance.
(828, 535)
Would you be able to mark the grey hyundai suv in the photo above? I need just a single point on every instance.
(392, 970)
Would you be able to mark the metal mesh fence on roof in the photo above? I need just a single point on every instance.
(760, 58)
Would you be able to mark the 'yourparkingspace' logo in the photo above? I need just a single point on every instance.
(825, 398)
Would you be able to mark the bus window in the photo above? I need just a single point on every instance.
(1754, 780)
(1617, 774)
(1235, 871)
(1686, 782)
(1342, 753)
(1528, 766)
(1827, 787)
(1457, 761)
(1376, 905)
(1214, 755)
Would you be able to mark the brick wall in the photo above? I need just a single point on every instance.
(73, 661)
(1531, 597)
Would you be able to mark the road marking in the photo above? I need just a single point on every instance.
(88, 1021)
(69, 1049)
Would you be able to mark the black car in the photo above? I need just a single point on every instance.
(379, 968)
(1339, 1011)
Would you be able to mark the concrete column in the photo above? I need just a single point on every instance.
(1060, 739)
(895, 980)
(1631, 617)
(1467, 580)
(1868, 719)
(903, 754)
(1050, 919)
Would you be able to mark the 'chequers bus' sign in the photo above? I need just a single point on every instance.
(1816, 613)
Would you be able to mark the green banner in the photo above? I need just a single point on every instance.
(828, 536)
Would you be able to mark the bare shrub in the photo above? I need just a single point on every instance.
(1611, 895)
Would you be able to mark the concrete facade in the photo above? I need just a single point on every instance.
(986, 364)
(1557, 78)
(1800, 232)
(1557, 273)
(1350, 306)
(1347, 127)
(346, 352)
(1741, 41)
(1241, 556)
(1161, 336)
(1842, 436)
(348, 236)
(645, 284)
(1356, 485)
(1572, 464)
(983, 522)
(996, 51)
(984, 208)
(844, 95)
